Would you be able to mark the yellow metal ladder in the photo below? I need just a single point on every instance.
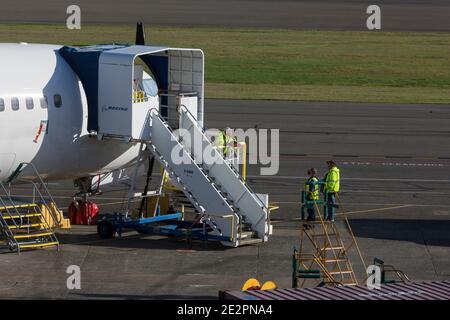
(28, 223)
(24, 226)
(323, 256)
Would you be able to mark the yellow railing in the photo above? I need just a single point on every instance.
(273, 207)
(241, 151)
(139, 96)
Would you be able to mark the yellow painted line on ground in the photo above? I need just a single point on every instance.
(375, 210)
(364, 211)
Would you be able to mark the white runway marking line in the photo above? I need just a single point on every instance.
(353, 179)
(356, 163)
(394, 192)
(200, 285)
(392, 164)
(376, 204)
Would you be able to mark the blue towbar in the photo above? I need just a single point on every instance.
(170, 225)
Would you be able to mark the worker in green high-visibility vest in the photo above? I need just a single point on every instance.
(312, 194)
(331, 188)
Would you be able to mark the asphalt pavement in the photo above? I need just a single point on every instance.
(394, 160)
(397, 15)
(395, 167)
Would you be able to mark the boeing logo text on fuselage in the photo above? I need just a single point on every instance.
(113, 108)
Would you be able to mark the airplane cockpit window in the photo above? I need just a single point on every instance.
(2, 104)
(29, 103)
(57, 100)
(15, 103)
(44, 102)
(150, 86)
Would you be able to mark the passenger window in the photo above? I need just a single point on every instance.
(44, 102)
(2, 104)
(29, 103)
(57, 100)
(15, 103)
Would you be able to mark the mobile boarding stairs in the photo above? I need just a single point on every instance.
(233, 213)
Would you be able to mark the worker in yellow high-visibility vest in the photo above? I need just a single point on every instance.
(331, 188)
(225, 142)
(220, 141)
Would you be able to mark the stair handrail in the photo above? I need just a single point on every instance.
(351, 232)
(4, 226)
(244, 182)
(261, 203)
(55, 217)
(12, 204)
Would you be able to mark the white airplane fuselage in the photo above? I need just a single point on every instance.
(64, 150)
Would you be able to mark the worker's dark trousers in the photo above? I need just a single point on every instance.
(331, 204)
(311, 214)
(310, 211)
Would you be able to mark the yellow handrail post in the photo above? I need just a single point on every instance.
(244, 161)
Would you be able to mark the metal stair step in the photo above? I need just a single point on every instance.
(26, 215)
(244, 242)
(225, 194)
(247, 234)
(244, 224)
(33, 235)
(340, 271)
(18, 206)
(24, 226)
(333, 260)
(183, 201)
(37, 245)
(333, 248)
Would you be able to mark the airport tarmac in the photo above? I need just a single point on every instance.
(395, 166)
(397, 15)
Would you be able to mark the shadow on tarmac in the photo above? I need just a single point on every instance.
(139, 241)
(426, 232)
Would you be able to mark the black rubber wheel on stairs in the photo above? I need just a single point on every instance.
(105, 229)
